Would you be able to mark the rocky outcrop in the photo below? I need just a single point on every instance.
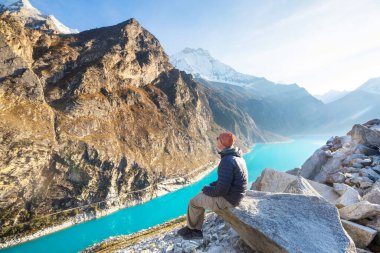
(274, 222)
(350, 159)
(351, 164)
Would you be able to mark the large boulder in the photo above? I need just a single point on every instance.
(348, 195)
(362, 134)
(360, 210)
(276, 181)
(281, 222)
(314, 163)
(373, 196)
(301, 186)
(361, 235)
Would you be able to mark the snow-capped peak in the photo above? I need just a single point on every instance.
(17, 5)
(61, 27)
(200, 63)
(33, 18)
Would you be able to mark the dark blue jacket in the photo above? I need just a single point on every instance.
(232, 180)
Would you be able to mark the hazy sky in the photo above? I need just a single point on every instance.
(319, 45)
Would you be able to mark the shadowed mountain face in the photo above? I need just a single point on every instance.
(97, 114)
(279, 108)
(283, 109)
(357, 106)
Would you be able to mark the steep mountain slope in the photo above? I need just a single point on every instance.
(92, 116)
(287, 112)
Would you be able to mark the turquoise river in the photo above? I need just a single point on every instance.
(280, 156)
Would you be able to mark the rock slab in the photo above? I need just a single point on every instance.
(275, 222)
(276, 181)
(361, 235)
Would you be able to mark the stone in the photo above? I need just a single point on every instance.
(360, 210)
(361, 235)
(348, 195)
(357, 165)
(313, 164)
(332, 166)
(362, 181)
(301, 186)
(364, 135)
(373, 196)
(375, 160)
(362, 149)
(370, 173)
(349, 158)
(294, 172)
(376, 168)
(358, 250)
(275, 222)
(276, 181)
(337, 177)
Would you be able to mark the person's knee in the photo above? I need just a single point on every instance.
(195, 201)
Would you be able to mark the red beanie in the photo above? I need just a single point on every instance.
(227, 139)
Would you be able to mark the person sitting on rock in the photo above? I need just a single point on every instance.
(226, 192)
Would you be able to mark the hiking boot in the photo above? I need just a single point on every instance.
(188, 233)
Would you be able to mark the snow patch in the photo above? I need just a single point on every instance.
(23, 10)
(200, 63)
(61, 27)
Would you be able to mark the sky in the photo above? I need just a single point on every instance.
(320, 45)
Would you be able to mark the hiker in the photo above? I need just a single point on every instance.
(226, 192)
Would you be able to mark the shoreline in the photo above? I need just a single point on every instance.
(165, 187)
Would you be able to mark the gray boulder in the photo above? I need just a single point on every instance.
(361, 235)
(281, 222)
(364, 135)
(348, 195)
(276, 181)
(301, 186)
(360, 210)
(314, 163)
(373, 195)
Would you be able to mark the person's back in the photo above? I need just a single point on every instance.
(226, 192)
(232, 180)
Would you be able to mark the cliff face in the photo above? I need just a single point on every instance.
(94, 115)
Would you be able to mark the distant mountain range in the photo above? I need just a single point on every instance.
(282, 108)
(274, 107)
(331, 96)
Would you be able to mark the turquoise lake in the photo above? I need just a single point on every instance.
(280, 156)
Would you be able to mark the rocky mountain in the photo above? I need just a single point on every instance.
(331, 96)
(278, 112)
(359, 105)
(273, 107)
(90, 117)
(23, 11)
